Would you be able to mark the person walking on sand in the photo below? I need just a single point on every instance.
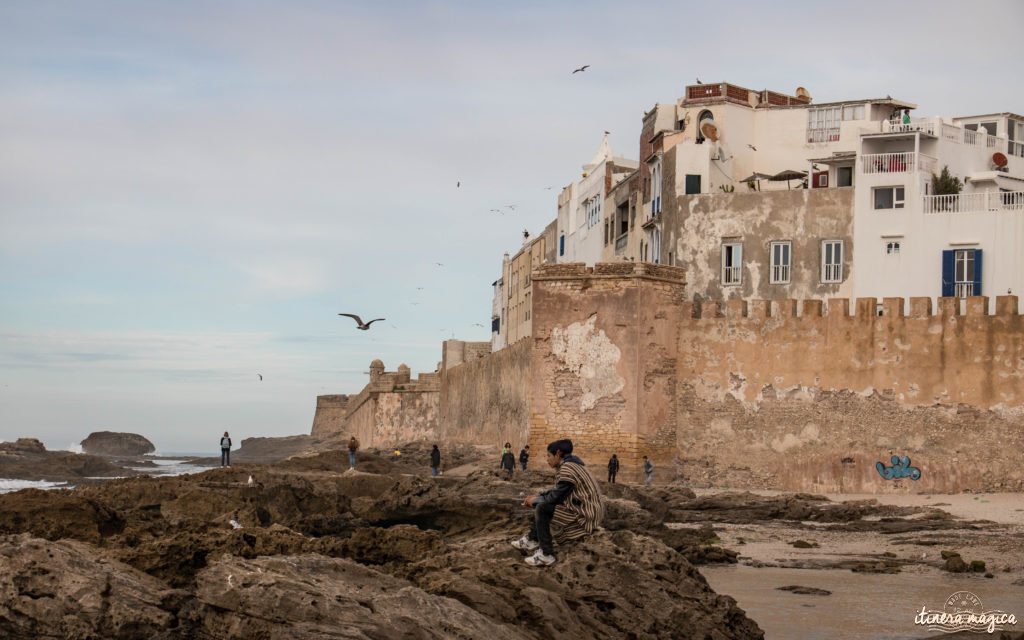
(353, 446)
(574, 506)
(508, 461)
(435, 459)
(225, 450)
(524, 456)
(648, 471)
(613, 468)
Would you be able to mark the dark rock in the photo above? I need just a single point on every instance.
(807, 591)
(803, 544)
(955, 564)
(116, 445)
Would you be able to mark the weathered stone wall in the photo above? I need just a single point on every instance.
(812, 401)
(485, 400)
(329, 418)
(392, 417)
(604, 360)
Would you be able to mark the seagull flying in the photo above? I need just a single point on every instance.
(458, 184)
(260, 375)
(752, 146)
(583, 68)
(439, 264)
(359, 321)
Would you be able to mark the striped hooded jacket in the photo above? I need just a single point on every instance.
(578, 505)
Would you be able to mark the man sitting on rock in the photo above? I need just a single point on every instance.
(574, 505)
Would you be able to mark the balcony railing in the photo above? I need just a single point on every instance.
(896, 125)
(830, 134)
(902, 162)
(963, 289)
(974, 138)
(620, 242)
(731, 275)
(974, 202)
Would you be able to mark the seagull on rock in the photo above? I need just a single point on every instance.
(359, 321)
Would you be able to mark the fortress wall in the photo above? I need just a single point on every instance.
(809, 396)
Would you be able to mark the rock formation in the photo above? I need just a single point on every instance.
(28, 459)
(116, 445)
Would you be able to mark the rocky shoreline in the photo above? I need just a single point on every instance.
(314, 550)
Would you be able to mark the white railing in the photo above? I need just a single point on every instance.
(896, 125)
(780, 273)
(974, 202)
(830, 134)
(979, 138)
(832, 273)
(887, 162)
(731, 275)
(963, 289)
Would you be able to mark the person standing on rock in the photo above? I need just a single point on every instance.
(573, 505)
(225, 450)
(613, 468)
(353, 446)
(524, 456)
(435, 459)
(648, 471)
(508, 460)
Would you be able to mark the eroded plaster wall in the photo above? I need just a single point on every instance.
(813, 400)
(395, 417)
(695, 227)
(603, 360)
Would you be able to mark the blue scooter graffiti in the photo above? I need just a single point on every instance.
(900, 469)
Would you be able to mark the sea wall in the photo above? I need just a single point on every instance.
(809, 396)
(485, 399)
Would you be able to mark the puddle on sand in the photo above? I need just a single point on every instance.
(862, 605)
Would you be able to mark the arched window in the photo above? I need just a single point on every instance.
(704, 115)
(656, 245)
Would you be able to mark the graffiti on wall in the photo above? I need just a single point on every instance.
(900, 469)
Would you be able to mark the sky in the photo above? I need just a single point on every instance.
(190, 192)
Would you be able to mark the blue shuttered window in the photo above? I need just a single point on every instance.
(961, 273)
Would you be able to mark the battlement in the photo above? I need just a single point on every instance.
(580, 271)
(1006, 306)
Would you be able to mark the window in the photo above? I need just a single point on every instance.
(561, 245)
(892, 248)
(692, 184)
(593, 207)
(888, 198)
(844, 176)
(823, 124)
(961, 273)
(782, 262)
(655, 188)
(831, 260)
(732, 263)
(853, 112)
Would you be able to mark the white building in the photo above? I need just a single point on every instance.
(581, 214)
(909, 241)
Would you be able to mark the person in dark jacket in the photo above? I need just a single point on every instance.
(574, 505)
(508, 460)
(524, 456)
(435, 459)
(613, 468)
(225, 450)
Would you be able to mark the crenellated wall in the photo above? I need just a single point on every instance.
(810, 397)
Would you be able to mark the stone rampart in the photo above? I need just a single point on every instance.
(485, 400)
(807, 396)
(330, 415)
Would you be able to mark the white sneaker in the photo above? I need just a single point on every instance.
(525, 544)
(540, 559)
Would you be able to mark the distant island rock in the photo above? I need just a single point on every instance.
(116, 445)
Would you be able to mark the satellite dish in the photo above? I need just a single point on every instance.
(802, 93)
(710, 129)
(998, 159)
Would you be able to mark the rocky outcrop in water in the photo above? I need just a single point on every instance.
(116, 445)
(28, 459)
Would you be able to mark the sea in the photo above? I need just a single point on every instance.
(170, 464)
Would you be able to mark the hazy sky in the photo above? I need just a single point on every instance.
(190, 192)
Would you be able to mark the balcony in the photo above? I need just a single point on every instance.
(896, 125)
(973, 138)
(903, 162)
(829, 134)
(974, 202)
(620, 243)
